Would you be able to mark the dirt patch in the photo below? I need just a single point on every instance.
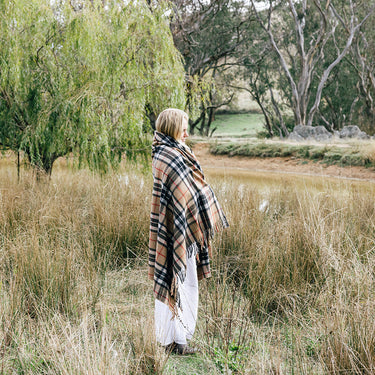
(287, 165)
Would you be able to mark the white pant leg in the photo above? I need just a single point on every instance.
(182, 327)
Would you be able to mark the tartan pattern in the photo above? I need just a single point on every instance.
(184, 215)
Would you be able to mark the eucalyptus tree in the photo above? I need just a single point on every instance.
(314, 25)
(347, 95)
(362, 61)
(339, 98)
(364, 53)
(257, 73)
(208, 33)
(77, 79)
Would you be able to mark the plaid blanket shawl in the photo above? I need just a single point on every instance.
(184, 215)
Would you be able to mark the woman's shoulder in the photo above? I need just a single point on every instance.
(166, 153)
(169, 160)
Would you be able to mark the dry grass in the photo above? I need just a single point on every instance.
(59, 242)
(369, 151)
(292, 288)
(305, 263)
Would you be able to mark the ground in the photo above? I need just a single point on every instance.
(279, 165)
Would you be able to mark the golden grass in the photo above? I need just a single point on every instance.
(368, 149)
(292, 288)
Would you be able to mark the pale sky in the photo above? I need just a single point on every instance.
(260, 5)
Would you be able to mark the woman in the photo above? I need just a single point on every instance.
(184, 215)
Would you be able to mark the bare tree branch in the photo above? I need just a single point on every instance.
(353, 30)
(296, 98)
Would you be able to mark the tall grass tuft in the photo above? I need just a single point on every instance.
(303, 259)
(58, 243)
(58, 237)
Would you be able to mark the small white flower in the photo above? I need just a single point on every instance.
(124, 179)
(264, 205)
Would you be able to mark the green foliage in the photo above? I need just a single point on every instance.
(78, 81)
(234, 360)
(198, 95)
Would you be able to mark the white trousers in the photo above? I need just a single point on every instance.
(182, 327)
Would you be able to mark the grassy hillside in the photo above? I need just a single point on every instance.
(292, 291)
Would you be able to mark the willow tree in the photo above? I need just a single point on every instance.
(78, 79)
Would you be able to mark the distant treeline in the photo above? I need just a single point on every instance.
(303, 63)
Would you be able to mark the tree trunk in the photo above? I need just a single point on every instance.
(203, 122)
(325, 76)
(268, 124)
(194, 124)
(283, 131)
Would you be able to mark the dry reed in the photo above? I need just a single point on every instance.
(292, 289)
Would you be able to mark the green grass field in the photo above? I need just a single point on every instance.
(237, 125)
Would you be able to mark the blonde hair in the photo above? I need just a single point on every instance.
(170, 122)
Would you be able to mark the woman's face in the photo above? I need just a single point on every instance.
(184, 133)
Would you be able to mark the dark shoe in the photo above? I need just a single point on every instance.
(170, 348)
(184, 349)
(181, 349)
